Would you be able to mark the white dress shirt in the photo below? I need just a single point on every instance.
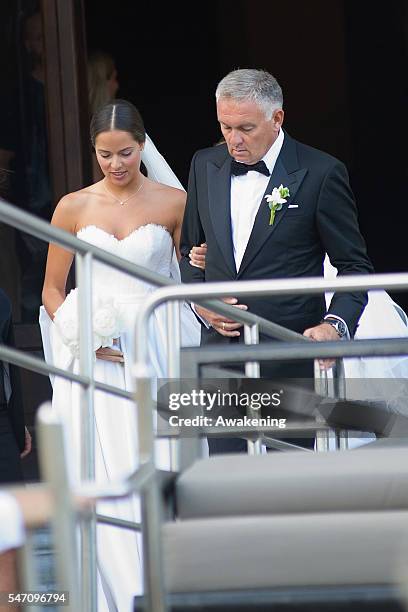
(247, 191)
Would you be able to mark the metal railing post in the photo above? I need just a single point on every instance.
(252, 370)
(339, 389)
(321, 388)
(173, 339)
(27, 574)
(153, 576)
(86, 366)
(173, 365)
(53, 465)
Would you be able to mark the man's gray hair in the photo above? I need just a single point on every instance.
(253, 85)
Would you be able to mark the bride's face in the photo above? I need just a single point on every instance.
(118, 155)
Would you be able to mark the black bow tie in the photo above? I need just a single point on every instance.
(238, 168)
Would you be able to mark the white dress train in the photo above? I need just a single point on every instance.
(368, 378)
(116, 453)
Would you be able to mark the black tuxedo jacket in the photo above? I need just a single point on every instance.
(325, 220)
(15, 404)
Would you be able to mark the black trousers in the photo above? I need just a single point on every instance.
(10, 462)
(292, 372)
(224, 446)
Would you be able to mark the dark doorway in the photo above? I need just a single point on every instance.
(42, 155)
(343, 68)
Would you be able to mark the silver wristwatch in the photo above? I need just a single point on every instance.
(338, 325)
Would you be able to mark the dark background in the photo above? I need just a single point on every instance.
(342, 66)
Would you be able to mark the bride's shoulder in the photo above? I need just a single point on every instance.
(72, 205)
(78, 199)
(169, 195)
(162, 188)
(173, 200)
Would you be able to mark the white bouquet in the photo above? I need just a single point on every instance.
(106, 321)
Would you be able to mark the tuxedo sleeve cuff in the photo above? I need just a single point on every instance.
(203, 321)
(332, 316)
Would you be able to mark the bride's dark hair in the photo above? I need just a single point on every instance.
(118, 115)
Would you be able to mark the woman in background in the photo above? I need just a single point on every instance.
(102, 80)
(103, 86)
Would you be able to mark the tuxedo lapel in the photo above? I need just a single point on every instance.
(219, 198)
(287, 173)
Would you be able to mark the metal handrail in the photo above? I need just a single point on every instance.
(35, 226)
(34, 364)
(154, 576)
(170, 291)
(41, 229)
(65, 505)
(85, 253)
(375, 347)
(312, 285)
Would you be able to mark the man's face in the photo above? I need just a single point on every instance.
(248, 134)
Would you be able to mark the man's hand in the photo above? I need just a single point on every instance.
(197, 256)
(223, 325)
(110, 354)
(27, 444)
(323, 333)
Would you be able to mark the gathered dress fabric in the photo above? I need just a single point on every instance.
(378, 379)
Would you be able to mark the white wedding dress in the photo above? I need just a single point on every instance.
(375, 378)
(116, 453)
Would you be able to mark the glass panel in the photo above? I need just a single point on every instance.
(25, 179)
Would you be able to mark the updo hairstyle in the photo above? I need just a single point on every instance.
(118, 115)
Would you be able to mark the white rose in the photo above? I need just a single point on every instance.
(74, 348)
(105, 321)
(68, 328)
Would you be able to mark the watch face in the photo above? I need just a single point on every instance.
(339, 326)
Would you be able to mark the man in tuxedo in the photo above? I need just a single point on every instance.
(247, 240)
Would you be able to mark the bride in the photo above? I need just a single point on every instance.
(138, 219)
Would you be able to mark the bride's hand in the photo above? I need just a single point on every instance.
(110, 354)
(197, 256)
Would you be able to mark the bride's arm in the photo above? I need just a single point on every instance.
(180, 204)
(59, 260)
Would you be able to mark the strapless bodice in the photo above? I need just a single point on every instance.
(150, 246)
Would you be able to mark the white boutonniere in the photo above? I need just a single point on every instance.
(275, 200)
